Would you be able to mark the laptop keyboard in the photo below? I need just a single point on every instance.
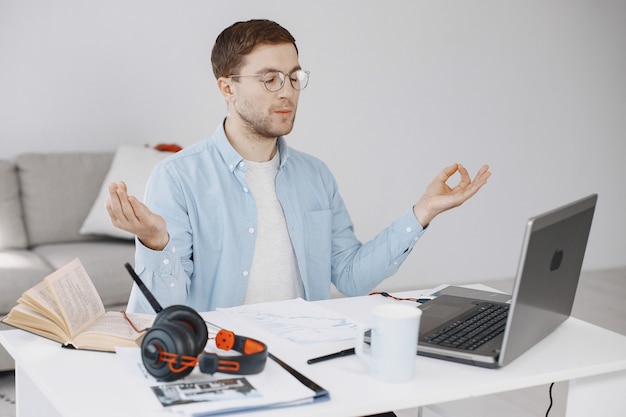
(471, 333)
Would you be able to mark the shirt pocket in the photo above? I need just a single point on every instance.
(319, 235)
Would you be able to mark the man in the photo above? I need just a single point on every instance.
(241, 217)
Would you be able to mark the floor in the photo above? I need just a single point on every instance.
(601, 300)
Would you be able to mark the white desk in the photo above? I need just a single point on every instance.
(52, 381)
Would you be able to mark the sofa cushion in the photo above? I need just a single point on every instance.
(12, 231)
(19, 271)
(57, 192)
(103, 260)
(133, 165)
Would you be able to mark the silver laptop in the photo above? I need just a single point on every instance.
(491, 334)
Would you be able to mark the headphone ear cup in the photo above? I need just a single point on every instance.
(166, 338)
(186, 318)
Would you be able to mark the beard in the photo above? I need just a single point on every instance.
(269, 124)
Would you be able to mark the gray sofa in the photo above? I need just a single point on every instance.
(44, 199)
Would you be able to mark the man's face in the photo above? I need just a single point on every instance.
(259, 111)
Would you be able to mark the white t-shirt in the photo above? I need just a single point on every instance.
(274, 273)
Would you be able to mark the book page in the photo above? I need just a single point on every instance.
(24, 317)
(114, 323)
(40, 299)
(112, 329)
(76, 296)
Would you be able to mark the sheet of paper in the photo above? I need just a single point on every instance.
(201, 394)
(297, 320)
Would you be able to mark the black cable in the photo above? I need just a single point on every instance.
(550, 393)
(420, 300)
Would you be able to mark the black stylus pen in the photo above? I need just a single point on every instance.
(153, 302)
(339, 354)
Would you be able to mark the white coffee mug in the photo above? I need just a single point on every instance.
(394, 332)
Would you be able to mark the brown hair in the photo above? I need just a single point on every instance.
(236, 41)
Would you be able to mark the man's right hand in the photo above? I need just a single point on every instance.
(130, 214)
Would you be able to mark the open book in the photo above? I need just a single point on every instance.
(66, 307)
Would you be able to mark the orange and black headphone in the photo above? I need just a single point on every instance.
(175, 344)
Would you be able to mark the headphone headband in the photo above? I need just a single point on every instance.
(252, 362)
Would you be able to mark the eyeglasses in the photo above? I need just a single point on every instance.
(275, 80)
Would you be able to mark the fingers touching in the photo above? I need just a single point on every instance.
(440, 196)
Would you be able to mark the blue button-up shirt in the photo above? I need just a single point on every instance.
(211, 218)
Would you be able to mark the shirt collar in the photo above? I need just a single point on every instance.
(233, 159)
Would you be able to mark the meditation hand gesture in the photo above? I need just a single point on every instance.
(439, 196)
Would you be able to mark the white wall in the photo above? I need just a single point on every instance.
(398, 90)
